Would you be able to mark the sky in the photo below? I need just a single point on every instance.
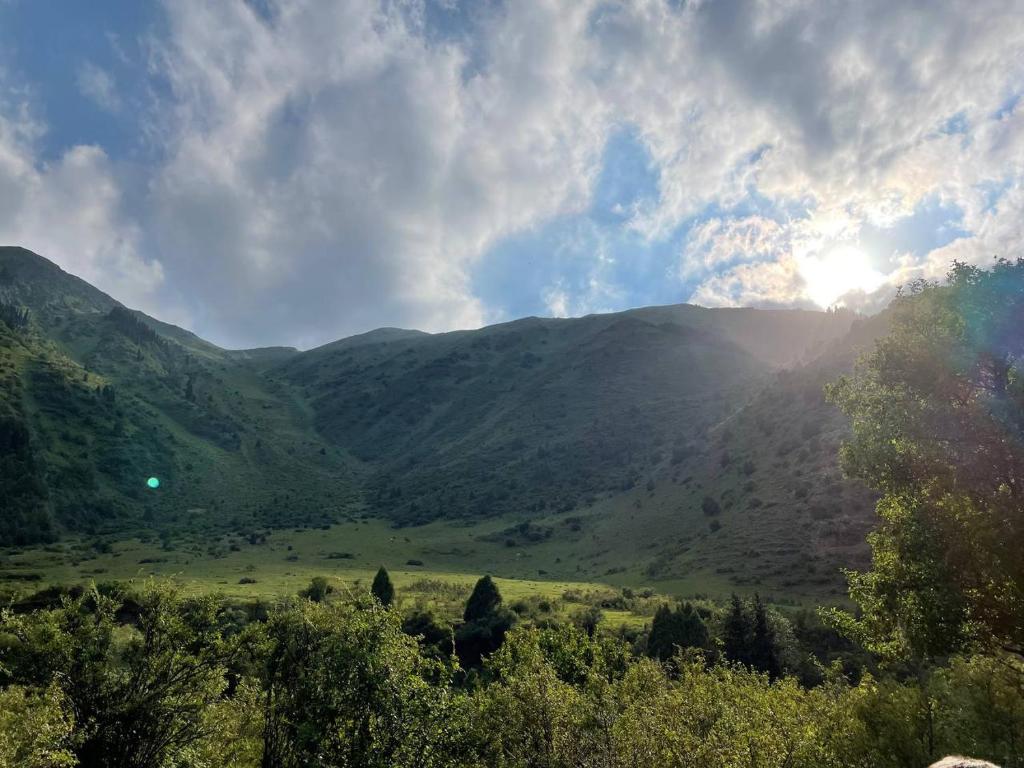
(294, 171)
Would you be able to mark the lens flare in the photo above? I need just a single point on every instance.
(153, 482)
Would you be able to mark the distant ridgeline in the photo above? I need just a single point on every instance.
(534, 418)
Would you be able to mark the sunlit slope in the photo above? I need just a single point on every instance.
(540, 416)
(781, 516)
(780, 338)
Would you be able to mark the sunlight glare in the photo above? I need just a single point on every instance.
(839, 271)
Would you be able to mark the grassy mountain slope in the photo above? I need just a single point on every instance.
(761, 501)
(575, 449)
(540, 415)
(100, 398)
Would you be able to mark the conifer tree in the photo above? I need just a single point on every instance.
(764, 654)
(736, 633)
(382, 588)
(485, 623)
(484, 601)
(676, 629)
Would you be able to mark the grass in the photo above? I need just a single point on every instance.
(268, 572)
(453, 556)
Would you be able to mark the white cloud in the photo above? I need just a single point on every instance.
(716, 243)
(70, 209)
(767, 284)
(342, 172)
(326, 167)
(557, 301)
(836, 108)
(97, 84)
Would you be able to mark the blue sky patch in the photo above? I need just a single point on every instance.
(61, 51)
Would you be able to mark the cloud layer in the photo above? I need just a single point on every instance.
(316, 169)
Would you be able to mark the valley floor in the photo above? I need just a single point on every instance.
(436, 563)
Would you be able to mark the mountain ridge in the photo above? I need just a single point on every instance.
(596, 419)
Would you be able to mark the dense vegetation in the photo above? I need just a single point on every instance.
(153, 679)
(938, 428)
(96, 398)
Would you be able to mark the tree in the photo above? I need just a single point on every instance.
(344, 686)
(435, 637)
(674, 630)
(485, 624)
(14, 316)
(764, 654)
(710, 506)
(35, 729)
(483, 601)
(737, 632)
(938, 427)
(588, 619)
(382, 588)
(139, 694)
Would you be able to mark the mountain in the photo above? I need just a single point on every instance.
(662, 441)
(97, 398)
(535, 414)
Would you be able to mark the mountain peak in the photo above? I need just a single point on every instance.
(33, 281)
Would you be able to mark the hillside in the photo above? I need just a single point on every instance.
(98, 398)
(582, 447)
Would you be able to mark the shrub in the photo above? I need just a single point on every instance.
(710, 507)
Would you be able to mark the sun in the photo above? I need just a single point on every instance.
(838, 271)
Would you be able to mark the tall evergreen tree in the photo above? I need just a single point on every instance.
(764, 654)
(737, 632)
(484, 601)
(382, 588)
(485, 624)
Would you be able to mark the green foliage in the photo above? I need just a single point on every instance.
(138, 694)
(710, 507)
(15, 317)
(674, 630)
(26, 514)
(345, 686)
(155, 680)
(737, 633)
(435, 637)
(484, 600)
(764, 653)
(35, 728)
(938, 428)
(485, 622)
(318, 590)
(750, 637)
(382, 588)
(128, 323)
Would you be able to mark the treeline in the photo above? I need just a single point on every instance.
(155, 679)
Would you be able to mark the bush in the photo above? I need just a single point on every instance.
(35, 728)
(710, 507)
(318, 590)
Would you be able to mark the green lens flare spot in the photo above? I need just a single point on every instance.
(153, 482)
